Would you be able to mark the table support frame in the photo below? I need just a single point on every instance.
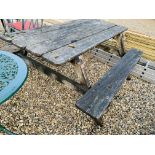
(120, 43)
(52, 73)
(80, 69)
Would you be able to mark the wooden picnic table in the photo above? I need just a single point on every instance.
(59, 44)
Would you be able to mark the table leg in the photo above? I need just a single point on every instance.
(54, 74)
(120, 42)
(80, 69)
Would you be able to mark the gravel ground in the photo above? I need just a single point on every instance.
(45, 106)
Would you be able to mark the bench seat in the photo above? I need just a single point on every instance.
(97, 99)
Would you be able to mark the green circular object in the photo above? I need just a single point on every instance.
(13, 74)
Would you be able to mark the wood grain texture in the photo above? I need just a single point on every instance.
(55, 33)
(66, 41)
(65, 37)
(44, 29)
(68, 52)
(97, 99)
(143, 70)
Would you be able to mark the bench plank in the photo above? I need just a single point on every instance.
(68, 52)
(97, 99)
(141, 70)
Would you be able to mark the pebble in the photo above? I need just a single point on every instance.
(45, 106)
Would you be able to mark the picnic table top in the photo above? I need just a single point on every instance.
(13, 73)
(61, 43)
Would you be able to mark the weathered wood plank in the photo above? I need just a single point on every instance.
(31, 41)
(50, 28)
(139, 70)
(150, 65)
(27, 33)
(111, 57)
(107, 58)
(146, 77)
(142, 72)
(97, 99)
(62, 40)
(68, 52)
(40, 36)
